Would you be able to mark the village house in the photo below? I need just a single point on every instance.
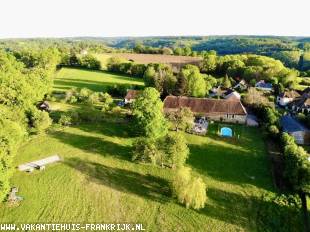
(301, 103)
(211, 109)
(131, 96)
(262, 85)
(241, 85)
(291, 126)
(286, 97)
(231, 95)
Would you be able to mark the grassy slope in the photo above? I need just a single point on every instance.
(68, 78)
(97, 182)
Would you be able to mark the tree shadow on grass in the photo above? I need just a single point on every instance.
(120, 129)
(251, 212)
(92, 85)
(230, 207)
(94, 145)
(233, 165)
(146, 186)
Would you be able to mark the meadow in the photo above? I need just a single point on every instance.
(68, 78)
(97, 181)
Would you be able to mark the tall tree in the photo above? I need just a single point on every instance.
(148, 111)
(196, 86)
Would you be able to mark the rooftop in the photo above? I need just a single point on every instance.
(132, 94)
(290, 124)
(290, 94)
(205, 105)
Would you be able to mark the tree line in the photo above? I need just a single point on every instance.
(25, 78)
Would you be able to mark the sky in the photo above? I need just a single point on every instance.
(110, 18)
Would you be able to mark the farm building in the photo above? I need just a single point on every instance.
(131, 96)
(212, 109)
(262, 85)
(286, 97)
(296, 129)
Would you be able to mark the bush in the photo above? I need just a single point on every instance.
(116, 110)
(189, 190)
(118, 90)
(146, 151)
(84, 95)
(93, 98)
(40, 120)
(89, 114)
(106, 100)
(280, 213)
(65, 120)
(273, 131)
(89, 62)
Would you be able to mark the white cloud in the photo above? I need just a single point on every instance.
(59, 18)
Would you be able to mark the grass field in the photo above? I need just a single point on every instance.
(98, 182)
(68, 78)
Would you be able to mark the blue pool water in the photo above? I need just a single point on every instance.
(226, 131)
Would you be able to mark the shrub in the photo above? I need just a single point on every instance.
(107, 101)
(89, 62)
(65, 120)
(72, 100)
(273, 131)
(280, 213)
(189, 190)
(84, 95)
(40, 120)
(146, 151)
(93, 98)
(116, 110)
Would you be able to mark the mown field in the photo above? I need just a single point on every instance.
(68, 78)
(98, 182)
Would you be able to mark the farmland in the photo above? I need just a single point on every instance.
(175, 61)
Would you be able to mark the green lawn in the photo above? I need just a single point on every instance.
(67, 78)
(97, 182)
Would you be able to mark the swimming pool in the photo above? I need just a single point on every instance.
(226, 132)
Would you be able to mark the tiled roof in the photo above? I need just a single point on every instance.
(289, 124)
(205, 105)
(132, 94)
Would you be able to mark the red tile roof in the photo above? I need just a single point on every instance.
(132, 94)
(205, 105)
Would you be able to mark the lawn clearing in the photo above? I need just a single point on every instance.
(97, 181)
(67, 78)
